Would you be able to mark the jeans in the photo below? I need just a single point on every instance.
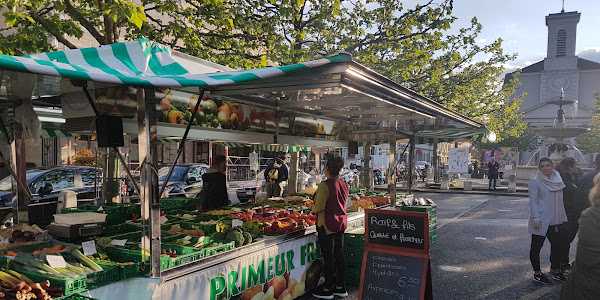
(490, 184)
(557, 236)
(332, 249)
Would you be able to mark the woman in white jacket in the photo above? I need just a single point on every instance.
(547, 216)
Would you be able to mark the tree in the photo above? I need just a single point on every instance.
(84, 157)
(590, 141)
(410, 44)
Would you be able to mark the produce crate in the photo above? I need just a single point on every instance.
(184, 254)
(430, 209)
(69, 286)
(208, 229)
(124, 228)
(108, 275)
(127, 255)
(136, 237)
(210, 251)
(125, 270)
(75, 297)
(176, 203)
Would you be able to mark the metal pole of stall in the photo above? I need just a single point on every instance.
(392, 172)
(147, 134)
(368, 175)
(182, 143)
(411, 165)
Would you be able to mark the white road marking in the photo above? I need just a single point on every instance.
(452, 268)
(480, 238)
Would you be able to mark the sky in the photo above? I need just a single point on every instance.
(522, 25)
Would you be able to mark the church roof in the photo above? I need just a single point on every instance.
(582, 64)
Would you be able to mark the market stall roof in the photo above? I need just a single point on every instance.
(334, 87)
(482, 135)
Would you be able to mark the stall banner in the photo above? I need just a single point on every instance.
(458, 161)
(176, 107)
(289, 269)
(507, 158)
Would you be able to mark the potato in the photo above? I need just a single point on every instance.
(279, 285)
(298, 290)
(251, 292)
(269, 295)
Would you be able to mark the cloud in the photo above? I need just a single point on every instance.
(592, 54)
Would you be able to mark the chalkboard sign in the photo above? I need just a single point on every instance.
(397, 229)
(389, 275)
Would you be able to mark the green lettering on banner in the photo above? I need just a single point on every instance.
(318, 250)
(280, 271)
(290, 260)
(311, 252)
(254, 275)
(232, 289)
(243, 287)
(303, 255)
(269, 268)
(217, 286)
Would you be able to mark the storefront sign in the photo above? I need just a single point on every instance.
(289, 269)
(397, 229)
(507, 158)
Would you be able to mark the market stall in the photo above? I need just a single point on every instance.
(141, 86)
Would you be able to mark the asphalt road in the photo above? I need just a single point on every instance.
(482, 250)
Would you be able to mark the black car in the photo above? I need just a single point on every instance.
(186, 180)
(46, 184)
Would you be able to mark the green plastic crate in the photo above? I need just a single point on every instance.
(124, 271)
(108, 275)
(69, 286)
(210, 251)
(124, 228)
(75, 297)
(184, 254)
(208, 229)
(134, 238)
(177, 203)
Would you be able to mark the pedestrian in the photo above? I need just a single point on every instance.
(546, 219)
(586, 183)
(275, 174)
(330, 207)
(214, 185)
(567, 168)
(584, 281)
(493, 167)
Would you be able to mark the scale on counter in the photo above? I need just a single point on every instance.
(77, 226)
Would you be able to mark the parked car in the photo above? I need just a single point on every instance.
(420, 165)
(186, 180)
(45, 186)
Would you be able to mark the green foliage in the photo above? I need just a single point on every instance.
(590, 141)
(84, 157)
(409, 43)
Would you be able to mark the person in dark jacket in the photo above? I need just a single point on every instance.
(584, 281)
(275, 174)
(493, 167)
(332, 220)
(214, 185)
(568, 170)
(586, 183)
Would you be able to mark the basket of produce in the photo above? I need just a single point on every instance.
(189, 228)
(22, 234)
(18, 286)
(218, 247)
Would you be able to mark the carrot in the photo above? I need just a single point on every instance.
(37, 251)
(54, 249)
(11, 253)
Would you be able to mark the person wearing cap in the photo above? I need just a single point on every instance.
(275, 174)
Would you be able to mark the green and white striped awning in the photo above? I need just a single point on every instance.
(260, 147)
(451, 135)
(372, 143)
(51, 133)
(166, 141)
(231, 145)
(140, 63)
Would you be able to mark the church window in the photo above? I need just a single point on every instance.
(561, 43)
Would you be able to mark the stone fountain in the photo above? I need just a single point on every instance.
(560, 131)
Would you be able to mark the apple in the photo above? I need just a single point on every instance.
(251, 292)
(237, 108)
(279, 285)
(223, 116)
(193, 101)
(284, 294)
(225, 107)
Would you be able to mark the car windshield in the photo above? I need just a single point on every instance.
(178, 173)
(6, 183)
